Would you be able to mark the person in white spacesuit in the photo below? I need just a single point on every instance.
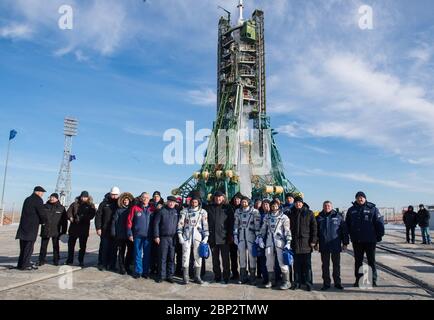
(192, 230)
(277, 234)
(246, 230)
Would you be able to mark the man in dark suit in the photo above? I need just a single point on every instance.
(32, 215)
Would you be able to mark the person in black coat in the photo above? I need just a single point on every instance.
(165, 227)
(233, 248)
(423, 217)
(55, 225)
(304, 238)
(157, 202)
(366, 227)
(119, 233)
(103, 224)
(221, 225)
(80, 213)
(410, 220)
(32, 215)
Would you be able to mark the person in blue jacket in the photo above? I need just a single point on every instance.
(366, 228)
(165, 226)
(332, 239)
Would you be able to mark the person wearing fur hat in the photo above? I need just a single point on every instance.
(246, 231)
(366, 227)
(233, 249)
(276, 230)
(80, 213)
(119, 233)
(304, 238)
(192, 230)
(56, 225)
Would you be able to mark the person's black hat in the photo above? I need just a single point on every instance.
(245, 198)
(172, 198)
(39, 189)
(238, 195)
(84, 194)
(360, 194)
(421, 205)
(410, 208)
(298, 199)
(156, 193)
(218, 194)
(289, 195)
(274, 202)
(55, 195)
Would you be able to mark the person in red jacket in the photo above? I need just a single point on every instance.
(139, 231)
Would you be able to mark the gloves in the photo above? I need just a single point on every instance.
(205, 240)
(181, 238)
(261, 243)
(257, 240)
(236, 240)
(288, 246)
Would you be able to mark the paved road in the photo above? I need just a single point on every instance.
(89, 283)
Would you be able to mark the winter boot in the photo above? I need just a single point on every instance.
(252, 273)
(285, 281)
(185, 276)
(243, 276)
(269, 284)
(197, 278)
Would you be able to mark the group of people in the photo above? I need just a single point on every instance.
(412, 218)
(146, 236)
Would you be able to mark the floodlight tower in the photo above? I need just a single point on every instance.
(63, 186)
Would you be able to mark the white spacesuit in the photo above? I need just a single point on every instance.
(246, 230)
(192, 230)
(277, 234)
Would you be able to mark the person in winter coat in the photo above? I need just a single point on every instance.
(246, 231)
(277, 234)
(157, 202)
(304, 237)
(332, 239)
(55, 225)
(119, 233)
(165, 227)
(221, 225)
(32, 215)
(103, 224)
(366, 227)
(423, 217)
(233, 248)
(139, 231)
(410, 220)
(289, 203)
(80, 213)
(192, 230)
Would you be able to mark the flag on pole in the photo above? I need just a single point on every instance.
(12, 134)
(72, 158)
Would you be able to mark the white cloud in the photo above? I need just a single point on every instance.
(203, 97)
(143, 132)
(16, 31)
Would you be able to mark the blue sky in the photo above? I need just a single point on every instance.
(354, 108)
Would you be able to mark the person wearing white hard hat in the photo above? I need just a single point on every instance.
(103, 223)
